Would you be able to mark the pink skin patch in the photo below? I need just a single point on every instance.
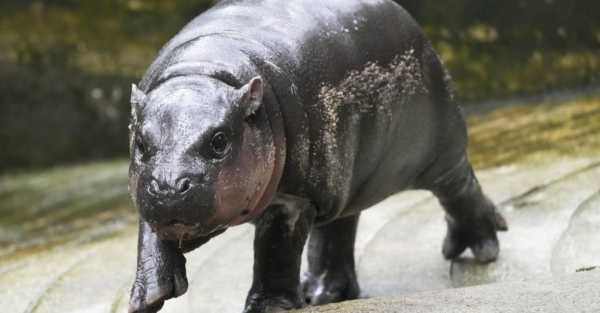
(241, 185)
(243, 189)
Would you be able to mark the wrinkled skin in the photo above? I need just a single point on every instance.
(295, 116)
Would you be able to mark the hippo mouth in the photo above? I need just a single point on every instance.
(178, 231)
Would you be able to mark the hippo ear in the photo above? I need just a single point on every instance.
(252, 95)
(137, 98)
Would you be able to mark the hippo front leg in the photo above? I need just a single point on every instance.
(160, 272)
(279, 239)
(331, 276)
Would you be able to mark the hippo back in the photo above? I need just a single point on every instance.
(349, 77)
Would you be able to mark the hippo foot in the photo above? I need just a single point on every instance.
(150, 291)
(259, 303)
(478, 235)
(330, 287)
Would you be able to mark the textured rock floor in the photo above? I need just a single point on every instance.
(575, 293)
(552, 204)
(553, 210)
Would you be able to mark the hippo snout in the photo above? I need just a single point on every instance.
(173, 197)
(177, 230)
(182, 185)
(178, 205)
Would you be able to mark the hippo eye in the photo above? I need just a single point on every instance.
(220, 144)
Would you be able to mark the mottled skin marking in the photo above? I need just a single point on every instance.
(374, 90)
(294, 116)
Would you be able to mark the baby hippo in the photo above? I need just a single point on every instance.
(294, 116)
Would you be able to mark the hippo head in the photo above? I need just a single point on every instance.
(202, 155)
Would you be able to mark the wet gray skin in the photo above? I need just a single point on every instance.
(294, 116)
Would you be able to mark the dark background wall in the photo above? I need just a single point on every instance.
(66, 66)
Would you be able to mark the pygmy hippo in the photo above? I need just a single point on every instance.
(294, 116)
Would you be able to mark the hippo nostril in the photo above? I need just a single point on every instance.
(154, 187)
(183, 185)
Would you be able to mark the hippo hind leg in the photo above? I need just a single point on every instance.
(471, 216)
(331, 275)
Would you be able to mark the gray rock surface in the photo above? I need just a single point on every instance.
(553, 209)
(576, 293)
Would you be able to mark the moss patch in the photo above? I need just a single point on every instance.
(536, 132)
(60, 204)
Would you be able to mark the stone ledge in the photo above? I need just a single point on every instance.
(578, 292)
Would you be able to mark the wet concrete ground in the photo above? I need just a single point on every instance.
(71, 245)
